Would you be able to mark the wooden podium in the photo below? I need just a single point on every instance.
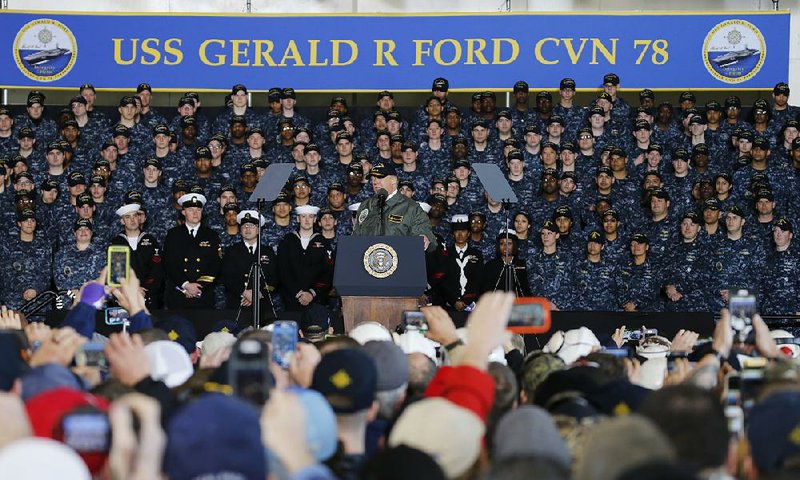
(378, 278)
(388, 311)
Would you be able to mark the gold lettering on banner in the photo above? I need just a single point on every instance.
(383, 53)
(598, 46)
(148, 51)
(220, 58)
(537, 51)
(172, 47)
(337, 52)
(118, 51)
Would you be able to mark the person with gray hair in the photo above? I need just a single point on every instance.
(391, 387)
(620, 444)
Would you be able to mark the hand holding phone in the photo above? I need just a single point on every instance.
(119, 265)
(284, 342)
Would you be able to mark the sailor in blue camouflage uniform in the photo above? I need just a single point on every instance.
(661, 228)
(94, 128)
(572, 114)
(239, 107)
(7, 141)
(140, 133)
(760, 163)
(521, 113)
(471, 190)
(782, 112)
(570, 236)
(480, 238)
(597, 279)
(780, 287)
(147, 114)
(34, 118)
(280, 223)
(642, 279)
(764, 217)
(550, 269)
(547, 199)
(483, 149)
(739, 259)
(519, 177)
(80, 260)
(27, 262)
(688, 270)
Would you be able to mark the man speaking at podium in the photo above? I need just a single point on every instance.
(389, 213)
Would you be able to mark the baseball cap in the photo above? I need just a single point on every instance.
(611, 79)
(440, 84)
(391, 363)
(640, 238)
(347, 378)
(215, 436)
(566, 83)
(382, 169)
(773, 429)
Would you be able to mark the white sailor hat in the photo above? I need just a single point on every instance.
(354, 207)
(459, 218)
(126, 209)
(306, 210)
(425, 207)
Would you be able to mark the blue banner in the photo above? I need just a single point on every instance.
(665, 50)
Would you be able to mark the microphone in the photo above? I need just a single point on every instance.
(382, 194)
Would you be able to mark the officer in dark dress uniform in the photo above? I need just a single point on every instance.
(237, 263)
(302, 263)
(463, 281)
(191, 258)
(145, 254)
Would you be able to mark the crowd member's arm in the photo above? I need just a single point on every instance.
(129, 363)
(91, 298)
(129, 296)
(466, 383)
(132, 456)
(283, 427)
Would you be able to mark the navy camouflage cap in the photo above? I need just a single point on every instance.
(26, 132)
(550, 226)
(49, 184)
(596, 237)
(611, 212)
(161, 129)
(562, 211)
(180, 185)
(82, 223)
(640, 238)
(711, 204)
(26, 214)
(188, 121)
(611, 79)
(784, 224)
(202, 152)
(693, 216)
(736, 210)
(84, 199)
(76, 178)
(440, 84)
(566, 84)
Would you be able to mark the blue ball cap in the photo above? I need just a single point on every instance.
(348, 379)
